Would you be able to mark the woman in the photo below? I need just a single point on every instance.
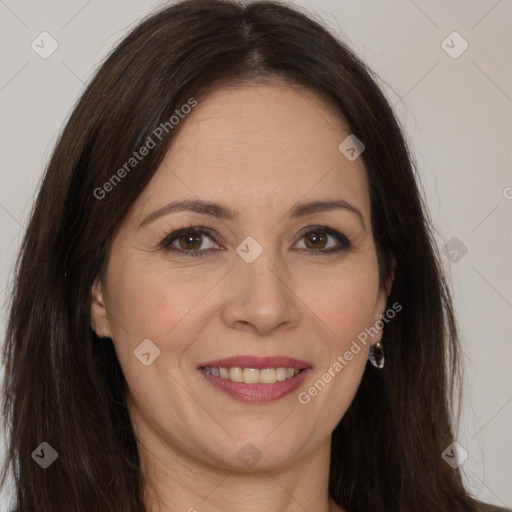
(227, 296)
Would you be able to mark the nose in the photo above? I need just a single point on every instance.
(260, 296)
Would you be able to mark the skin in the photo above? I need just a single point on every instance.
(258, 149)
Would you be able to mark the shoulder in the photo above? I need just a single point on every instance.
(486, 507)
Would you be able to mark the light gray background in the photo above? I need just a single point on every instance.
(457, 117)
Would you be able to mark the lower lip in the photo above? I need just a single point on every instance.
(257, 393)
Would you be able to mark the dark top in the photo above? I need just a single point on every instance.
(484, 507)
(493, 508)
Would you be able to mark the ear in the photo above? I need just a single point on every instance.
(99, 320)
(383, 296)
(389, 283)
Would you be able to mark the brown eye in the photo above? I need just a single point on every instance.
(190, 240)
(318, 240)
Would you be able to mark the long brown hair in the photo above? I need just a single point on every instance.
(65, 387)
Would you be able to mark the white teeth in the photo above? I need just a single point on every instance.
(252, 375)
(236, 374)
(268, 376)
(280, 373)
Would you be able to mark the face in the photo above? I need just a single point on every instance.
(255, 281)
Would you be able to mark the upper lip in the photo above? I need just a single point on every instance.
(258, 363)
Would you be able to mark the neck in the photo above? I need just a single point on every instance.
(176, 480)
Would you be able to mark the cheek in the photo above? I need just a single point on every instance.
(346, 310)
(346, 302)
(143, 287)
(145, 302)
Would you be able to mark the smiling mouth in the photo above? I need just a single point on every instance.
(252, 375)
(256, 379)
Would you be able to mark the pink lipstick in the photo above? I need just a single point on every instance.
(256, 379)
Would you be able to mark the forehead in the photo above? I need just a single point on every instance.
(259, 144)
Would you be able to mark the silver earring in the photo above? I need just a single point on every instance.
(376, 355)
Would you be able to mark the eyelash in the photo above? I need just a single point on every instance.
(168, 240)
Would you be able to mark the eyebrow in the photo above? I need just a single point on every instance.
(223, 212)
